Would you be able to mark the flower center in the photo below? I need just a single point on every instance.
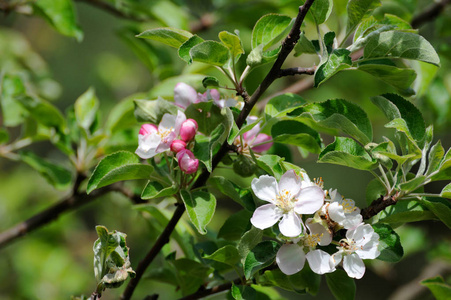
(164, 133)
(312, 240)
(349, 246)
(285, 201)
(348, 205)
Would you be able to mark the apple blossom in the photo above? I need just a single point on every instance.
(188, 130)
(184, 95)
(287, 200)
(153, 140)
(253, 139)
(187, 161)
(360, 243)
(342, 211)
(177, 146)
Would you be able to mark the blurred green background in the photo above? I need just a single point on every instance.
(55, 262)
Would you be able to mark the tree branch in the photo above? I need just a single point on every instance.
(430, 13)
(287, 47)
(377, 206)
(297, 71)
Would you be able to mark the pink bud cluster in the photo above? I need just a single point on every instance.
(188, 131)
(188, 163)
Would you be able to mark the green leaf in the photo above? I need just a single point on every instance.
(186, 47)
(235, 226)
(412, 184)
(397, 44)
(12, 87)
(269, 30)
(389, 243)
(333, 116)
(435, 157)
(259, 57)
(210, 52)
(43, 112)
(438, 287)
(321, 10)
(228, 255)
(341, 286)
(190, 274)
(371, 24)
(170, 36)
(209, 116)
(374, 190)
(61, 15)
(440, 207)
(200, 207)
(233, 43)
(86, 108)
(396, 107)
(4, 136)
(405, 211)
(304, 45)
(337, 61)
(56, 175)
(260, 257)
(444, 170)
(301, 282)
(446, 191)
(298, 134)
(210, 81)
(281, 105)
(153, 110)
(205, 146)
(357, 10)
(116, 167)
(236, 193)
(248, 241)
(399, 78)
(154, 189)
(271, 165)
(347, 152)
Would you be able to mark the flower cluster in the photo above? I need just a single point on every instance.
(184, 95)
(290, 200)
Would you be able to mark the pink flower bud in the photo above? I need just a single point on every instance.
(187, 161)
(260, 139)
(184, 95)
(188, 130)
(148, 129)
(177, 146)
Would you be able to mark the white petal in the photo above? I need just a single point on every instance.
(336, 212)
(148, 145)
(306, 180)
(370, 249)
(310, 200)
(167, 123)
(360, 234)
(321, 230)
(290, 182)
(266, 216)
(335, 196)
(290, 225)
(354, 266)
(290, 258)
(319, 262)
(352, 220)
(178, 122)
(265, 188)
(335, 259)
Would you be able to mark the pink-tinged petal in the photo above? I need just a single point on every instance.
(360, 234)
(167, 123)
(178, 122)
(184, 95)
(310, 200)
(187, 161)
(319, 262)
(188, 130)
(148, 145)
(250, 135)
(260, 139)
(336, 213)
(335, 259)
(290, 258)
(266, 216)
(166, 142)
(265, 188)
(290, 182)
(148, 129)
(213, 94)
(354, 266)
(290, 225)
(321, 230)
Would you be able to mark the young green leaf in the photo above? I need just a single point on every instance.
(185, 48)
(337, 60)
(154, 189)
(61, 15)
(269, 30)
(341, 286)
(153, 110)
(304, 45)
(43, 112)
(298, 134)
(12, 86)
(56, 175)
(190, 274)
(435, 157)
(321, 10)
(228, 255)
(399, 78)
(205, 146)
(271, 165)
(389, 243)
(86, 108)
(438, 287)
(235, 226)
(347, 152)
(236, 193)
(446, 191)
(333, 116)
(357, 10)
(233, 42)
(200, 207)
(405, 211)
(397, 44)
(170, 36)
(210, 52)
(412, 184)
(260, 257)
(248, 241)
(116, 167)
(444, 169)
(210, 81)
(281, 105)
(371, 24)
(440, 207)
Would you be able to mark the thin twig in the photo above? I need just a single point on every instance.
(297, 71)
(430, 14)
(287, 47)
(214, 290)
(377, 206)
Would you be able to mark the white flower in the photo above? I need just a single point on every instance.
(153, 140)
(291, 257)
(287, 200)
(343, 211)
(361, 243)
